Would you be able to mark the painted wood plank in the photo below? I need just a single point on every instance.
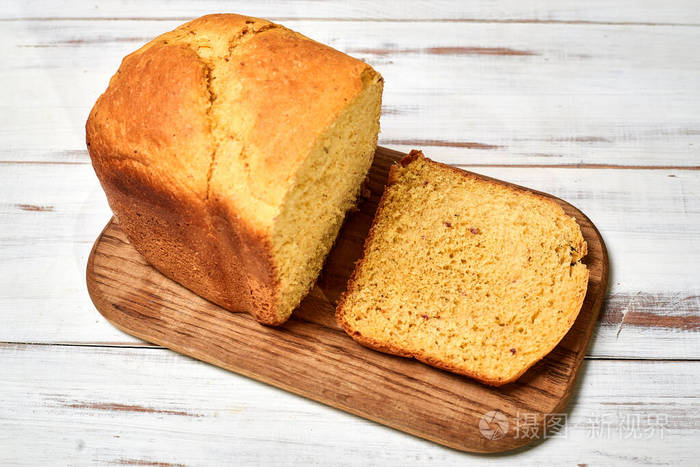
(650, 221)
(62, 401)
(518, 94)
(653, 124)
(75, 405)
(649, 12)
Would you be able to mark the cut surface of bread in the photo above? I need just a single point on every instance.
(230, 150)
(465, 273)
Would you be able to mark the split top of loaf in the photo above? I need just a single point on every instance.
(230, 150)
(465, 273)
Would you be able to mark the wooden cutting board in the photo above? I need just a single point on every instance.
(311, 356)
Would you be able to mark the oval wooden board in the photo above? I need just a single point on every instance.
(311, 356)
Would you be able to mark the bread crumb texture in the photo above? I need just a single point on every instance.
(466, 274)
(230, 150)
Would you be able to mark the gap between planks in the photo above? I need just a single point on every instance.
(148, 346)
(513, 166)
(371, 20)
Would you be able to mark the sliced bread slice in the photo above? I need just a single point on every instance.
(465, 273)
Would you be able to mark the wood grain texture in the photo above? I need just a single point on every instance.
(601, 95)
(602, 113)
(46, 302)
(312, 357)
(80, 405)
(592, 100)
(620, 12)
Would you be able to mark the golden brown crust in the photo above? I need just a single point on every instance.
(159, 145)
(284, 111)
(423, 357)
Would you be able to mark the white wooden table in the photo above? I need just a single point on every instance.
(597, 102)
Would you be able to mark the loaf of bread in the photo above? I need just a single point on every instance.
(465, 273)
(230, 150)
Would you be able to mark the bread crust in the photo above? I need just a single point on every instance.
(156, 143)
(421, 356)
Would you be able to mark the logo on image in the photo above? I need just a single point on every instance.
(494, 425)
